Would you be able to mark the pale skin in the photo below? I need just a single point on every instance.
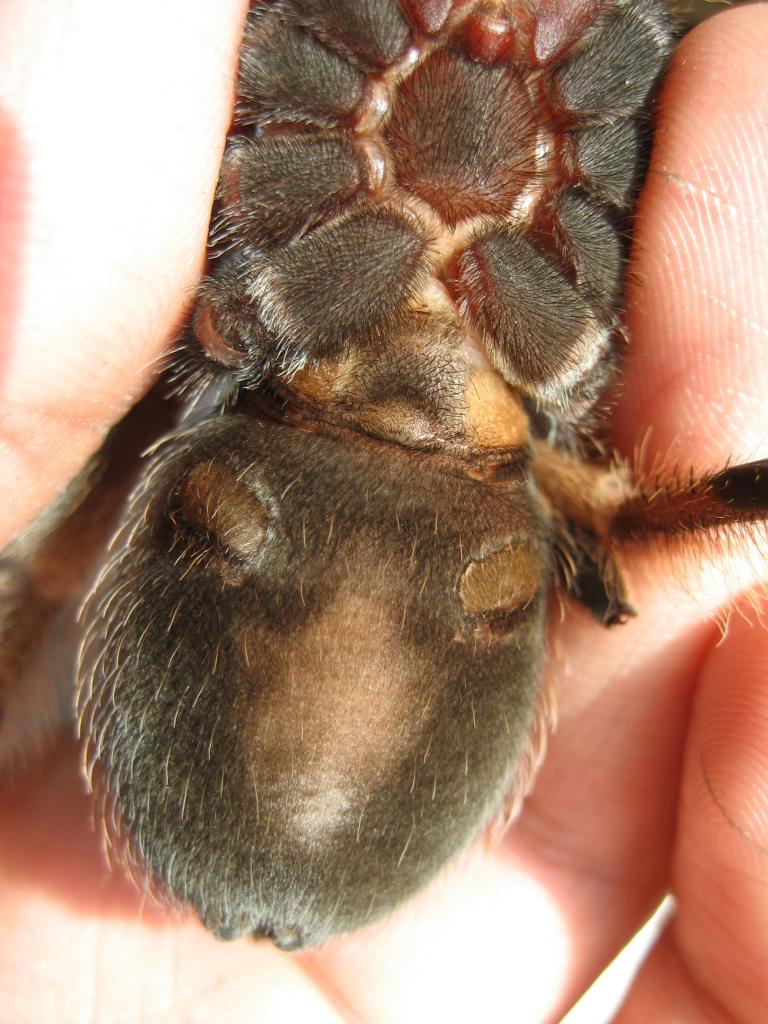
(657, 776)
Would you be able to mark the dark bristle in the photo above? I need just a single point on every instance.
(743, 489)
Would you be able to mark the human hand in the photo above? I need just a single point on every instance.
(656, 774)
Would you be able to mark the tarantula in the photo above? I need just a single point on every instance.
(311, 656)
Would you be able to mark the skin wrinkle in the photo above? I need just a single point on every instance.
(728, 729)
(655, 881)
(687, 186)
(743, 832)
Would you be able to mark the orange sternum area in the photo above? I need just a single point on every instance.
(431, 389)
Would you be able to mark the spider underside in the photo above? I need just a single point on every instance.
(310, 659)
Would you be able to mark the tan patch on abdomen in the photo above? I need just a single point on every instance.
(495, 414)
(502, 582)
(341, 717)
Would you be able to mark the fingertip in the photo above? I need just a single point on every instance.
(720, 867)
(115, 118)
(698, 311)
(710, 962)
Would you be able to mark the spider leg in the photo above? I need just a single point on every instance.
(735, 495)
(597, 509)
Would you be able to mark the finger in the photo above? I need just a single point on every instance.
(711, 963)
(599, 829)
(113, 122)
(696, 373)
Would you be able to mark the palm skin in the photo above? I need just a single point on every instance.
(657, 776)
